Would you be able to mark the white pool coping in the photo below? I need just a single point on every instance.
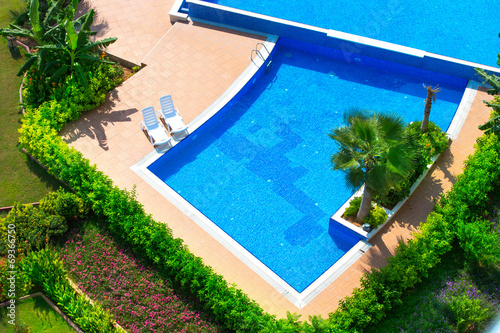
(298, 299)
(463, 109)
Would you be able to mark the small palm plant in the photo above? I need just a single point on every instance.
(373, 150)
(431, 97)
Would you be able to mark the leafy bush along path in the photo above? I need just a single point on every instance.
(136, 295)
(451, 299)
(19, 173)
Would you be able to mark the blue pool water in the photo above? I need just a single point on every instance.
(455, 28)
(260, 169)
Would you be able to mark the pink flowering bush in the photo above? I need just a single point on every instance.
(140, 300)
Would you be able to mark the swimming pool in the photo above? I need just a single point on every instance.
(260, 169)
(447, 27)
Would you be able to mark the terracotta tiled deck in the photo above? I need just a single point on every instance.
(196, 64)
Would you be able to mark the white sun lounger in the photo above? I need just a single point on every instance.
(171, 116)
(152, 127)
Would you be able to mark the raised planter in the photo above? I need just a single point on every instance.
(341, 223)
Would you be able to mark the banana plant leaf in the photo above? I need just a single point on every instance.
(492, 79)
(27, 65)
(80, 75)
(16, 31)
(492, 125)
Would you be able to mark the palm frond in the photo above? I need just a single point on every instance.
(392, 126)
(354, 179)
(344, 159)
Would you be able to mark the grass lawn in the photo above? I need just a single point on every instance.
(37, 315)
(21, 179)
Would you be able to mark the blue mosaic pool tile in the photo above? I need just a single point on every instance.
(303, 231)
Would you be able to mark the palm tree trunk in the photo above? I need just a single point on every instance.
(366, 203)
(431, 97)
(427, 112)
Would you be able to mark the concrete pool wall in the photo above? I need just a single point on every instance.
(350, 45)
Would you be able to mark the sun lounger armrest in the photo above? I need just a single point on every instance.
(177, 111)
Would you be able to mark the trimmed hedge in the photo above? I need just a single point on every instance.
(381, 290)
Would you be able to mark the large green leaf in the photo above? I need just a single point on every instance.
(15, 31)
(492, 79)
(491, 125)
(35, 21)
(80, 75)
(95, 59)
(100, 44)
(27, 65)
(71, 35)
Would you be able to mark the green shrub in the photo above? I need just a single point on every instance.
(469, 312)
(101, 78)
(33, 228)
(353, 208)
(375, 218)
(429, 144)
(36, 226)
(65, 204)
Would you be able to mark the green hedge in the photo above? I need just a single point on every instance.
(380, 291)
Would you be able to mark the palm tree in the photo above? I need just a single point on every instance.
(431, 97)
(374, 150)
